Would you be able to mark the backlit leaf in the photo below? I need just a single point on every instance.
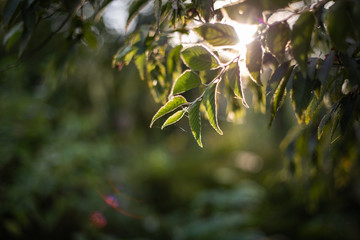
(210, 104)
(199, 58)
(277, 37)
(186, 81)
(173, 118)
(244, 12)
(254, 60)
(195, 121)
(301, 38)
(279, 94)
(301, 94)
(326, 119)
(218, 34)
(234, 79)
(170, 106)
(140, 64)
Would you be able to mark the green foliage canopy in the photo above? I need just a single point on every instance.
(311, 55)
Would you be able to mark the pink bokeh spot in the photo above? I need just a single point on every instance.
(98, 219)
(112, 201)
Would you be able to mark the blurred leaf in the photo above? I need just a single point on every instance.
(195, 121)
(29, 19)
(347, 106)
(173, 118)
(90, 37)
(205, 8)
(171, 105)
(325, 68)
(273, 4)
(140, 63)
(135, 8)
(199, 58)
(234, 79)
(9, 10)
(157, 12)
(218, 34)
(300, 93)
(210, 103)
(186, 81)
(325, 120)
(254, 60)
(279, 95)
(173, 58)
(338, 24)
(352, 68)
(301, 38)
(12, 35)
(277, 37)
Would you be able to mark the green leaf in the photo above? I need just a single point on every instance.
(351, 67)
(140, 63)
(173, 58)
(234, 79)
(157, 12)
(205, 8)
(170, 106)
(326, 119)
(325, 68)
(218, 34)
(272, 4)
(301, 38)
(254, 60)
(338, 24)
(244, 12)
(195, 121)
(279, 72)
(173, 118)
(301, 94)
(199, 58)
(135, 8)
(9, 11)
(90, 37)
(277, 37)
(188, 80)
(279, 94)
(210, 104)
(209, 75)
(13, 35)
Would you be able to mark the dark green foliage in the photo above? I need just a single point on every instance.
(301, 39)
(66, 122)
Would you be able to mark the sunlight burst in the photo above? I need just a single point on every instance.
(245, 33)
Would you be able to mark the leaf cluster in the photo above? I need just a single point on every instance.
(310, 57)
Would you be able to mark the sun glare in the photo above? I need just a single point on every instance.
(245, 34)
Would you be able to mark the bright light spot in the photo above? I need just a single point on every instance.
(245, 33)
(248, 161)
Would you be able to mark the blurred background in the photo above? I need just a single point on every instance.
(79, 161)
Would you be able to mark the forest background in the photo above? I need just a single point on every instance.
(79, 161)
